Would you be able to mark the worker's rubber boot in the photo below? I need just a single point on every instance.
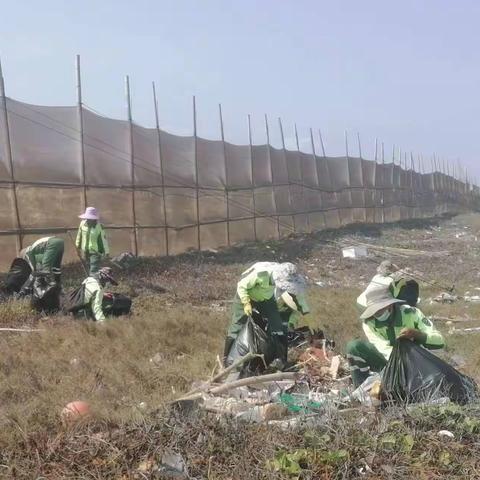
(228, 345)
(280, 351)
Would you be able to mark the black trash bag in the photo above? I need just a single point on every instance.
(116, 304)
(251, 339)
(18, 274)
(413, 374)
(46, 294)
(409, 293)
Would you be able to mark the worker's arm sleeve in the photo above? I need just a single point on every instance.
(294, 319)
(103, 240)
(97, 306)
(302, 301)
(434, 338)
(382, 345)
(78, 241)
(246, 284)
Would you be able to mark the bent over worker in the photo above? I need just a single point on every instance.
(91, 239)
(257, 290)
(385, 320)
(43, 256)
(93, 293)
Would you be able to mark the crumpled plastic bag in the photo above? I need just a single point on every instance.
(413, 374)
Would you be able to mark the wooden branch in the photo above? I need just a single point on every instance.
(221, 374)
(26, 330)
(244, 382)
(233, 366)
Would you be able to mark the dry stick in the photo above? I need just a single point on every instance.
(27, 330)
(239, 362)
(273, 377)
(221, 374)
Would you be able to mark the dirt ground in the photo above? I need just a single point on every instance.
(129, 368)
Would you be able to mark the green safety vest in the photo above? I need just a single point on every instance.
(92, 239)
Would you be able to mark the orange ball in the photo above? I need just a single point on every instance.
(74, 411)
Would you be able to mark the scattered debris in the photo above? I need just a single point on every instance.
(445, 434)
(472, 298)
(355, 252)
(173, 466)
(125, 260)
(157, 359)
(445, 297)
(460, 331)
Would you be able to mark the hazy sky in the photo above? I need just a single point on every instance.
(407, 72)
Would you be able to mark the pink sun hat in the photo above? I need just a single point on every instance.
(90, 214)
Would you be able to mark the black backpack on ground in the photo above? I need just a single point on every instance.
(116, 304)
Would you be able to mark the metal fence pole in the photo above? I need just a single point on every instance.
(289, 183)
(319, 193)
(160, 156)
(80, 123)
(383, 183)
(222, 132)
(197, 188)
(3, 99)
(132, 163)
(302, 177)
(267, 132)
(250, 143)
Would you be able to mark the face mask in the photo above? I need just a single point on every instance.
(383, 317)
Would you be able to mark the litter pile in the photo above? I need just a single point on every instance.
(318, 383)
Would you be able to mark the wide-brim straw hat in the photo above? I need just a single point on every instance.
(91, 213)
(378, 299)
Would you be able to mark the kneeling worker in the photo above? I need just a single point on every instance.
(91, 293)
(385, 320)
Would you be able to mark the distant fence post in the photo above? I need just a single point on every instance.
(197, 186)
(81, 129)
(292, 209)
(160, 156)
(132, 163)
(302, 179)
(250, 143)
(225, 163)
(3, 98)
(319, 193)
(383, 182)
(267, 133)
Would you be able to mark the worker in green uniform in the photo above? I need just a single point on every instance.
(385, 320)
(91, 239)
(93, 292)
(44, 256)
(258, 289)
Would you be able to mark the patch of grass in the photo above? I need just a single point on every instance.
(129, 368)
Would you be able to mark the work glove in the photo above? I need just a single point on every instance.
(247, 308)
